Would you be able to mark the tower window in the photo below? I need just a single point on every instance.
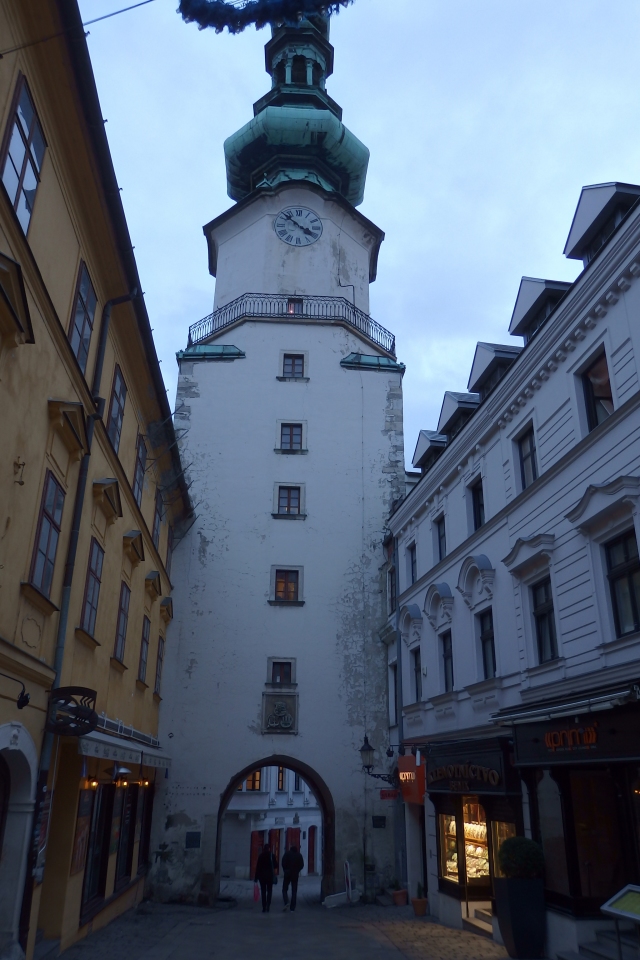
(281, 672)
(289, 500)
(291, 436)
(299, 71)
(281, 72)
(293, 365)
(287, 586)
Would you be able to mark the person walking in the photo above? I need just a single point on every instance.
(265, 876)
(292, 864)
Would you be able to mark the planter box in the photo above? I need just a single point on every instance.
(521, 916)
(399, 897)
(419, 905)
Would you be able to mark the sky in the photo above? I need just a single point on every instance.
(484, 120)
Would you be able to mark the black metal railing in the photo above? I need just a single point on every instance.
(290, 308)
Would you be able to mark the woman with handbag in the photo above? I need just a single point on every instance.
(265, 876)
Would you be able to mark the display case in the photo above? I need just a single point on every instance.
(500, 831)
(449, 869)
(476, 844)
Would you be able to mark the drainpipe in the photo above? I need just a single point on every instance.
(35, 870)
(399, 695)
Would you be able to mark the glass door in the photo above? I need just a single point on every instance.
(476, 845)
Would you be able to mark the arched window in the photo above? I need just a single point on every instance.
(281, 73)
(299, 70)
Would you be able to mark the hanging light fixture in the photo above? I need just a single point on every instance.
(366, 752)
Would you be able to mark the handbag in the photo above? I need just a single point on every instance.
(256, 893)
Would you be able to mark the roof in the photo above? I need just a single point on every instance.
(428, 440)
(211, 351)
(486, 359)
(532, 295)
(365, 361)
(596, 205)
(452, 405)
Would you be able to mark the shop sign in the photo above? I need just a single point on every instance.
(389, 794)
(579, 740)
(464, 767)
(459, 776)
(412, 779)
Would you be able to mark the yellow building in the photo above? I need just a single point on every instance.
(91, 499)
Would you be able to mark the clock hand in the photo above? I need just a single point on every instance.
(299, 225)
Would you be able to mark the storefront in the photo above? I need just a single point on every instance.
(582, 772)
(476, 793)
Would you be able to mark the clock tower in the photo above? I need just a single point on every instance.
(290, 404)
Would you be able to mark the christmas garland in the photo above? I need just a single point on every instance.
(222, 13)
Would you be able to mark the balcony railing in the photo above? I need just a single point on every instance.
(292, 308)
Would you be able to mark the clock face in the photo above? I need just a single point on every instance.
(298, 226)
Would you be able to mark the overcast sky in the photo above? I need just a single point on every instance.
(484, 120)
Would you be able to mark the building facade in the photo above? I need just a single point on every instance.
(90, 495)
(275, 806)
(519, 590)
(292, 396)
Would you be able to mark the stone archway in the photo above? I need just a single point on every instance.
(322, 795)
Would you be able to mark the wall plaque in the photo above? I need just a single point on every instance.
(280, 713)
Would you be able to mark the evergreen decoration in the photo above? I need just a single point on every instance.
(223, 13)
(521, 858)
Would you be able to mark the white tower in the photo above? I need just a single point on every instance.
(292, 399)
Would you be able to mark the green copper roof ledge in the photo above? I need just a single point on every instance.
(365, 361)
(208, 351)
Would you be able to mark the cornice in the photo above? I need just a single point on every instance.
(596, 290)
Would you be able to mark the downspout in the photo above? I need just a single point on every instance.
(399, 695)
(35, 870)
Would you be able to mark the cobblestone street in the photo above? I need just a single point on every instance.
(242, 932)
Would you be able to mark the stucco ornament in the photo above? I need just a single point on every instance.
(280, 717)
(411, 620)
(438, 605)
(475, 582)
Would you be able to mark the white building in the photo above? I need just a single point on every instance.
(275, 806)
(291, 400)
(519, 594)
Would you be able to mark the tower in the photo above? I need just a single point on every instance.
(290, 398)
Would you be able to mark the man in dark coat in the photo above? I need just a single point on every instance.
(265, 875)
(292, 864)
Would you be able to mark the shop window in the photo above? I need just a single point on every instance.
(476, 846)
(95, 874)
(597, 392)
(84, 311)
(139, 469)
(22, 162)
(159, 665)
(449, 867)
(487, 643)
(48, 534)
(125, 808)
(123, 620)
(447, 660)
(144, 649)
(500, 832)
(545, 622)
(116, 408)
(417, 675)
(552, 835)
(293, 366)
(92, 588)
(528, 461)
(623, 567)
(596, 818)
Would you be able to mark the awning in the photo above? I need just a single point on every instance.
(105, 747)
(566, 708)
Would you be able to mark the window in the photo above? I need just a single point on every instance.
(417, 675)
(139, 470)
(281, 672)
(477, 497)
(48, 534)
(253, 780)
(624, 581)
(123, 619)
(289, 500)
(544, 620)
(487, 644)
(291, 436)
(84, 311)
(157, 519)
(297, 783)
(295, 306)
(413, 563)
(447, 660)
(597, 392)
(159, 665)
(293, 365)
(170, 536)
(287, 586)
(441, 534)
(24, 156)
(116, 408)
(393, 693)
(391, 577)
(528, 465)
(92, 588)
(281, 779)
(144, 649)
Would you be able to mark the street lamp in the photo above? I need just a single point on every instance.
(366, 752)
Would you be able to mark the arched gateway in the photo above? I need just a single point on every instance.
(289, 404)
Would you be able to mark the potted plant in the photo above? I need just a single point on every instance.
(419, 903)
(398, 896)
(520, 898)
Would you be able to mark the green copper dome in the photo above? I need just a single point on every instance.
(297, 131)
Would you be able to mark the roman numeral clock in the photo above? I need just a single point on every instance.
(298, 226)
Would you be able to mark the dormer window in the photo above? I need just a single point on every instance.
(603, 234)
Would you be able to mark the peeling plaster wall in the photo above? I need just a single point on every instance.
(224, 629)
